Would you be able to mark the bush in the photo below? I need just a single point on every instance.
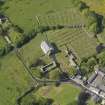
(18, 29)
(82, 6)
(8, 48)
(87, 66)
(101, 59)
(42, 29)
(2, 51)
(94, 20)
(83, 98)
(2, 2)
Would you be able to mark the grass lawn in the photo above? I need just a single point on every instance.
(23, 12)
(63, 95)
(13, 79)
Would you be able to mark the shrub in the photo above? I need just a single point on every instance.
(94, 20)
(8, 48)
(18, 29)
(101, 59)
(2, 51)
(87, 65)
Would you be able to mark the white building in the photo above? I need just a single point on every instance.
(46, 47)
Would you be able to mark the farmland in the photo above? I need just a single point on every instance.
(65, 94)
(67, 17)
(13, 79)
(23, 13)
(73, 38)
(96, 5)
(52, 13)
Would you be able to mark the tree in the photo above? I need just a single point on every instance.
(2, 51)
(82, 6)
(83, 98)
(84, 68)
(18, 29)
(93, 28)
(87, 66)
(101, 58)
(91, 63)
(8, 48)
(103, 22)
(2, 2)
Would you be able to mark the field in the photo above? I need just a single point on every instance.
(13, 79)
(23, 12)
(66, 94)
(76, 39)
(67, 17)
(96, 5)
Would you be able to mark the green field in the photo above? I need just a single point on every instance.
(13, 79)
(96, 5)
(66, 17)
(23, 12)
(64, 95)
(76, 39)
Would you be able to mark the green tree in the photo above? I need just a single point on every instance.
(91, 63)
(101, 58)
(54, 75)
(87, 66)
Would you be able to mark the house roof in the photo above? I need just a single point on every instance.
(46, 47)
(98, 80)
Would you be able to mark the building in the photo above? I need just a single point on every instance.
(92, 77)
(96, 83)
(47, 48)
(48, 67)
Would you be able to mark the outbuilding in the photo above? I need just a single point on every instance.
(47, 48)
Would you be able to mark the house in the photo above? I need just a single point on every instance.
(92, 78)
(96, 83)
(48, 67)
(47, 48)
